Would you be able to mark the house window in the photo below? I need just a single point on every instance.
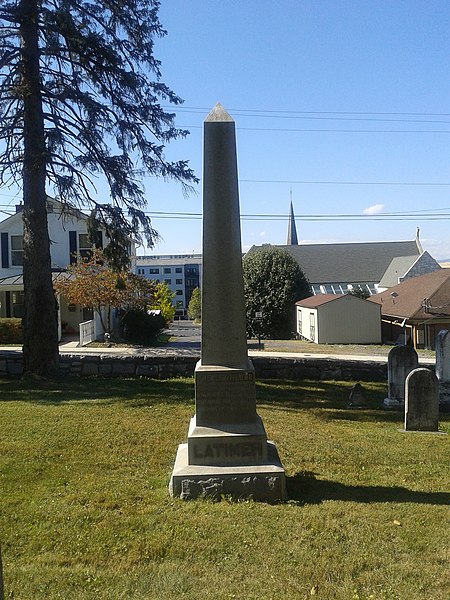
(18, 301)
(178, 270)
(179, 281)
(167, 270)
(343, 287)
(179, 304)
(153, 271)
(84, 245)
(316, 289)
(179, 292)
(17, 250)
(168, 281)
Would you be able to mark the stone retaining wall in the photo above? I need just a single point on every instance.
(165, 367)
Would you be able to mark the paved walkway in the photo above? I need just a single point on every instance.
(186, 342)
(193, 349)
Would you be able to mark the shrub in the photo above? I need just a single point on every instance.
(273, 282)
(195, 305)
(139, 327)
(11, 331)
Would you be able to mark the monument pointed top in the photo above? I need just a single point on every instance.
(219, 114)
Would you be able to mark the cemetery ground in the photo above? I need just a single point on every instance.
(85, 511)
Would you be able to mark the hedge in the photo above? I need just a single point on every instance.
(11, 331)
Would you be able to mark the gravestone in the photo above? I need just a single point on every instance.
(443, 368)
(357, 398)
(227, 451)
(421, 401)
(401, 361)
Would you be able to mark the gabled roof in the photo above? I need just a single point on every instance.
(53, 206)
(17, 280)
(355, 262)
(408, 266)
(407, 299)
(398, 267)
(315, 301)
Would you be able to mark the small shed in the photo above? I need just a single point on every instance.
(338, 319)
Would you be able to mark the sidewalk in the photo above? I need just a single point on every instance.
(177, 349)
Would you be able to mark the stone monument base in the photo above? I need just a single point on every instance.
(262, 482)
(393, 403)
(232, 444)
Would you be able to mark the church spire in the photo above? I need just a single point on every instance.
(292, 239)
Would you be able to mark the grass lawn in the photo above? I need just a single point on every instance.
(85, 511)
(304, 347)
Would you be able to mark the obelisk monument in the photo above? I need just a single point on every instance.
(227, 452)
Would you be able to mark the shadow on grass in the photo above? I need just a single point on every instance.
(133, 392)
(305, 488)
(329, 400)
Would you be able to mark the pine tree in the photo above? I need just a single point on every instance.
(80, 93)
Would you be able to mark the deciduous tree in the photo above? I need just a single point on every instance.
(162, 300)
(273, 282)
(80, 98)
(92, 283)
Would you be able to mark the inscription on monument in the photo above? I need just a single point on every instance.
(225, 450)
(229, 377)
(230, 395)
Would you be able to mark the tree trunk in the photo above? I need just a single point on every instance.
(40, 322)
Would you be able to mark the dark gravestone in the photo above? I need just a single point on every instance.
(357, 398)
(421, 401)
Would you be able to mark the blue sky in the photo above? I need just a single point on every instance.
(343, 106)
(321, 91)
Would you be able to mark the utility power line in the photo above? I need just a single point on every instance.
(304, 182)
(269, 113)
(303, 130)
(322, 117)
(424, 215)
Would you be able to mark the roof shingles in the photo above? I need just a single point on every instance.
(356, 262)
(406, 299)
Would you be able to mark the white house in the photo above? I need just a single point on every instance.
(338, 319)
(68, 236)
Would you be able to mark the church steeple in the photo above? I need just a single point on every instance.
(292, 239)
